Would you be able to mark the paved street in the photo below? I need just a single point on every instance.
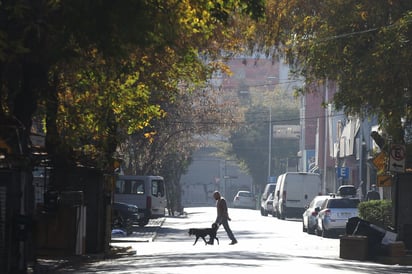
(266, 244)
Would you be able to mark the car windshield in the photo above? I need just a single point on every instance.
(343, 203)
(319, 202)
(245, 194)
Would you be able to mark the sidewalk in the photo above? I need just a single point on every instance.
(51, 264)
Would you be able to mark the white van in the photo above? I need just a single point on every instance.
(148, 193)
(276, 196)
(269, 188)
(294, 191)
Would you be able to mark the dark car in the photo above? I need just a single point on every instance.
(125, 216)
(347, 191)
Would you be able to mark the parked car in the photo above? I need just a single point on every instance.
(269, 188)
(268, 206)
(125, 216)
(334, 214)
(244, 199)
(311, 212)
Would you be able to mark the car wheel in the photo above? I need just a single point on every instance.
(129, 227)
(283, 215)
(318, 231)
(325, 233)
(143, 222)
(311, 230)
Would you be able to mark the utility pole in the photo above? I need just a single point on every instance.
(270, 143)
(326, 140)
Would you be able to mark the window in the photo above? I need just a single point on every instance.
(130, 187)
(343, 203)
(247, 194)
(158, 189)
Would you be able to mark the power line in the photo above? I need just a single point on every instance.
(350, 34)
(274, 121)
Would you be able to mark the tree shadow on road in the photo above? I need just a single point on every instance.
(236, 260)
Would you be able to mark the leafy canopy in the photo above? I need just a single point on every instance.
(362, 45)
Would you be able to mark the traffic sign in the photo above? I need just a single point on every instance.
(397, 157)
(380, 162)
(343, 172)
(384, 180)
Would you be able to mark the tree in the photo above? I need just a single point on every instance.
(122, 58)
(167, 145)
(249, 142)
(364, 47)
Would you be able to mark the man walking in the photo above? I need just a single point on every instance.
(223, 216)
(373, 194)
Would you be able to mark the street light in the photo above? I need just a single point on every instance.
(270, 80)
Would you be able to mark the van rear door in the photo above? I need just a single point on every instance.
(157, 198)
(294, 189)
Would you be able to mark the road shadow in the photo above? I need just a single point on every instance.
(236, 260)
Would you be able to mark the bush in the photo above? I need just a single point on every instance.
(377, 212)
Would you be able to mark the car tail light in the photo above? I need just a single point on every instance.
(328, 212)
(314, 213)
(284, 195)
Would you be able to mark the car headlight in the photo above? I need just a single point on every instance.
(132, 209)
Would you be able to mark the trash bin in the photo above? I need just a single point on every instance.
(375, 234)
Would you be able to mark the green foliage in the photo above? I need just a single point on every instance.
(103, 70)
(363, 46)
(249, 141)
(378, 212)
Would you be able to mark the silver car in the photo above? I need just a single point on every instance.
(334, 214)
(268, 206)
(244, 199)
(309, 215)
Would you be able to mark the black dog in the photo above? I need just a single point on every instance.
(203, 232)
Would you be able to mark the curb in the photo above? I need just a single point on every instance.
(142, 234)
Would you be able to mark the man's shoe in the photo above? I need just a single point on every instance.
(233, 242)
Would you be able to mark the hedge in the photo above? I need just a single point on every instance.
(378, 212)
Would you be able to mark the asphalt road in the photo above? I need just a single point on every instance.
(266, 244)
